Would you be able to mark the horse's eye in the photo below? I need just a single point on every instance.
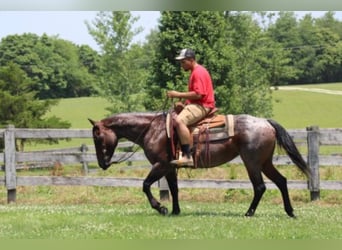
(97, 133)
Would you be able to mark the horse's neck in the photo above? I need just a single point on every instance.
(132, 127)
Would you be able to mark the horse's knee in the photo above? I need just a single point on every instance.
(146, 187)
(260, 189)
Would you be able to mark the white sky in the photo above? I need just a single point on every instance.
(69, 25)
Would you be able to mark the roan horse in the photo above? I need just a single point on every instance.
(254, 140)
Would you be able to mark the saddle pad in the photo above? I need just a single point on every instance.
(217, 128)
(216, 125)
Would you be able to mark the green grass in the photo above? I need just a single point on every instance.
(78, 110)
(328, 86)
(197, 221)
(299, 109)
(293, 109)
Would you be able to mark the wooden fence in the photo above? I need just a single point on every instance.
(313, 137)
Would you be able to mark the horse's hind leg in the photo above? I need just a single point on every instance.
(259, 189)
(273, 174)
(254, 173)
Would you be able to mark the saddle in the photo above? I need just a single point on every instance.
(213, 127)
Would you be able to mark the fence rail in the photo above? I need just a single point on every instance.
(313, 137)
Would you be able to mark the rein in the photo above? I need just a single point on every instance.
(124, 157)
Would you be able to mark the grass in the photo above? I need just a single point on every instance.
(62, 212)
(78, 110)
(297, 109)
(293, 109)
(197, 221)
(328, 86)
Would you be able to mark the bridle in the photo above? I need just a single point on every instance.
(128, 155)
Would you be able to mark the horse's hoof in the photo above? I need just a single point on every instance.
(163, 211)
(175, 212)
(250, 213)
(292, 215)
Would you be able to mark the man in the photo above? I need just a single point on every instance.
(199, 101)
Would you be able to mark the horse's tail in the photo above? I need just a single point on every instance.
(285, 141)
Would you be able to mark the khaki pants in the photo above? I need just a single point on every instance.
(192, 113)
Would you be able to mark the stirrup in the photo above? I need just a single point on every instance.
(183, 161)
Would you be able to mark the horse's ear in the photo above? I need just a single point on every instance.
(91, 121)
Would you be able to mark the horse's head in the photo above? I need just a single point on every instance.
(105, 141)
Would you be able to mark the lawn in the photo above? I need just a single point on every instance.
(197, 221)
(293, 109)
(328, 86)
(299, 109)
(78, 110)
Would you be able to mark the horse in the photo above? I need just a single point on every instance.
(254, 140)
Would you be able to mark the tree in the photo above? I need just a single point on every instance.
(226, 44)
(120, 72)
(202, 31)
(312, 46)
(19, 105)
(52, 64)
(248, 81)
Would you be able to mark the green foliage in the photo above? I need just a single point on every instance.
(227, 45)
(19, 106)
(313, 47)
(245, 52)
(122, 73)
(57, 68)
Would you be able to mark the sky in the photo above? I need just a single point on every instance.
(70, 25)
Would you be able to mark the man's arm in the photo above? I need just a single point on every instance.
(192, 95)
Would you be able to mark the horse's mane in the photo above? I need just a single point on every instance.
(132, 117)
(137, 114)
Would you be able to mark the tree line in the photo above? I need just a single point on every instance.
(245, 52)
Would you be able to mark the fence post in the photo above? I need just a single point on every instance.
(10, 164)
(84, 150)
(163, 189)
(313, 161)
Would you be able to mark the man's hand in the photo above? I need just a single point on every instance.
(178, 107)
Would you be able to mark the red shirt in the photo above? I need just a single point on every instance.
(201, 83)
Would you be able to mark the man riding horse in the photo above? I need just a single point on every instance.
(199, 102)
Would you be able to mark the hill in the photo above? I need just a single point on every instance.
(295, 108)
(78, 110)
(292, 108)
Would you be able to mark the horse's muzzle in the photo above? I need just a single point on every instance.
(104, 165)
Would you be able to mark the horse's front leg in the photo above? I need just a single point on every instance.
(172, 181)
(155, 174)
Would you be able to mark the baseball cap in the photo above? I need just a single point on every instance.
(186, 53)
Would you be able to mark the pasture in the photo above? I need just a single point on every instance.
(292, 109)
(62, 212)
(299, 109)
(198, 221)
